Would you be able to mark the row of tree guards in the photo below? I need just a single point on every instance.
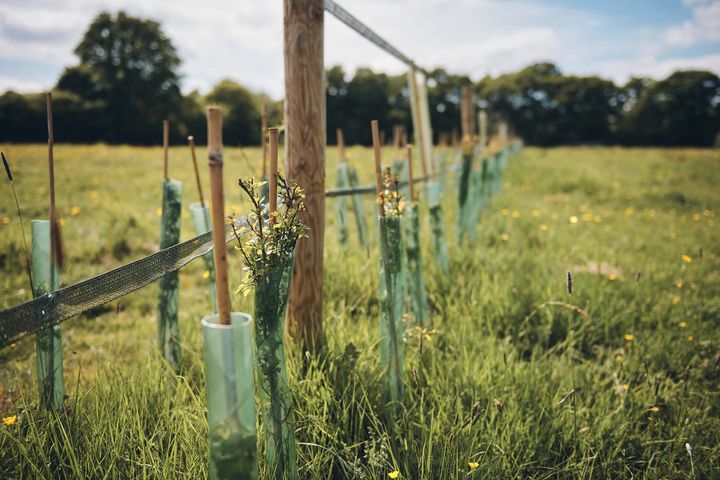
(234, 375)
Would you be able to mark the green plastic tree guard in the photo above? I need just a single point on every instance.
(437, 226)
(463, 194)
(230, 397)
(201, 221)
(497, 175)
(415, 282)
(475, 203)
(340, 204)
(441, 157)
(168, 327)
(358, 208)
(391, 306)
(271, 296)
(400, 170)
(49, 359)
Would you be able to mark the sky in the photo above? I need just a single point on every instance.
(242, 39)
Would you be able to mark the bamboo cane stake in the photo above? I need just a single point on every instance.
(341, 145)
(263, 138)
(215, 162)
(56, 247)
(273, 137)
(166, 129)
(191, 142)
(378, 164)
(411, 182)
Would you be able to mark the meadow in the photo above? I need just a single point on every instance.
(516, 378)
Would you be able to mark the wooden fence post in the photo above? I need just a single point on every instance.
(305, 159)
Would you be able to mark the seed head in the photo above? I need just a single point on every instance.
(7, 167)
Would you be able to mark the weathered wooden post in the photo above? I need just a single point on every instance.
(467, 117)
(305, 158)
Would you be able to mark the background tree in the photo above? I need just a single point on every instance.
(683, 109)
(241, 112)
(129, 64)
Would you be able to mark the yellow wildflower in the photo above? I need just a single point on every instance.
(624, 386)
(473, 465)
(504, 237)
(94, 195)
(673, 235)
(206, 274)
(686, 258)
(683, 324)
(504, 212)
(515, 214)
(612, 277)
(678, 284)
(543, 227)
(690, 338)
(597, 218)
(587, 217)
(10, 420)
(629, 337)
(394, 474)
(158, 212)
(535, 213)
(629, 211)
(696, 217)
(5, 220)
(573, 219)
(75, 211)
(655, 409)
(675, 299)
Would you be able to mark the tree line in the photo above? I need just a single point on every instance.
(127, 81)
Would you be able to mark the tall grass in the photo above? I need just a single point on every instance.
(515, 374)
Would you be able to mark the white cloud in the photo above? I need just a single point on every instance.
(703, 27)
(20, 85)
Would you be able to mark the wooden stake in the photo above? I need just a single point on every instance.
(305, 159)
(215, 162)
(56, 248)
(378, 164)
(419, 133)
(191, 142)
(263, 138)
(396, 137)
(411, 183)
(166, 129)
(341, 145)
(273, 134)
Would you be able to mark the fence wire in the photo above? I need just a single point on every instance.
(348, 19)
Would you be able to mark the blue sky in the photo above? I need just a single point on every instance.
(242, 39)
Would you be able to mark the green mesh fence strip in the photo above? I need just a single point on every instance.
(53, 308)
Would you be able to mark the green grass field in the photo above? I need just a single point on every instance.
(621, 379)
